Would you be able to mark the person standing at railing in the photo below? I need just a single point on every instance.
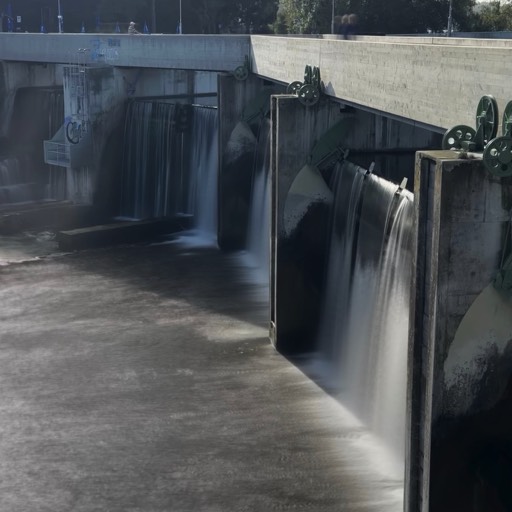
(132, 29)
(342, 27)
(351, 27)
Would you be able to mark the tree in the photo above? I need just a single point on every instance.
(494, 16)
(253, 16)
(301, 16)
(375, 16)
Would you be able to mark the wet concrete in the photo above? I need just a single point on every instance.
(141, 379)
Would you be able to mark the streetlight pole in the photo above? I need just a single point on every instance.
(332, 18)
(449, 28)
(59, 17)
(181, 32)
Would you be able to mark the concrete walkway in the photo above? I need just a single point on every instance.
(141, 379)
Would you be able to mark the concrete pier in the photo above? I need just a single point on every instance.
(142, 379)
(297, 258)
(461, 338)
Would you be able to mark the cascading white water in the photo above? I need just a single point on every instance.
(148, 161)
(170, 165)
(258, 234)
(364, 328)
(203, 171)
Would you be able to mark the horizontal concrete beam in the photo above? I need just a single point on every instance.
(198, 52)
(432, 81)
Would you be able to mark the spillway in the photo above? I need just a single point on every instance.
(364, 327)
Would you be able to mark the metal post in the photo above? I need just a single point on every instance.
(332, 18)
(181, 32)
(59, 17)
(153, 17)
(449, 28)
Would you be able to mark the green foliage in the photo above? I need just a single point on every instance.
(280, 16)
(252, 15)
(301, 16)
(375, 16)
(494, 16)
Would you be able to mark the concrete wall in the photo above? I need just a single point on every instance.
(390, 144)
(193, 52)
(428, 80)
(144, 82)
(108, 89)
(14, 75)
(431, 81)
(462, 213)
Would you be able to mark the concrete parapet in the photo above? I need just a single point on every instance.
(461, 335)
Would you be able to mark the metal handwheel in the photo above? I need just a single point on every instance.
(455, 138)
(487, 117)
(497, 156)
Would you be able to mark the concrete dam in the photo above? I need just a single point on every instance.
(255, 273)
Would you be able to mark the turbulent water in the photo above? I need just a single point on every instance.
(202, 156)
(258, 233)
(27, 246)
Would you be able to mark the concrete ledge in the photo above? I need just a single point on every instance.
(57, 215)
(119, 232)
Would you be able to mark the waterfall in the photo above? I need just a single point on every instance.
(148, 160)
(169, 164)
(363, 334)
(203, 170)
(258, 233)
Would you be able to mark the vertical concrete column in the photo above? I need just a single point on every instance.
(95, 101)
(460, 355)
(298, 258)
(237, 144)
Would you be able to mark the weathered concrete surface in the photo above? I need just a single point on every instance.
(199, 52)
(462, 215)
(102, 235)
(141, 379)
(425, 80)
(299, 259)
(429, 80)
